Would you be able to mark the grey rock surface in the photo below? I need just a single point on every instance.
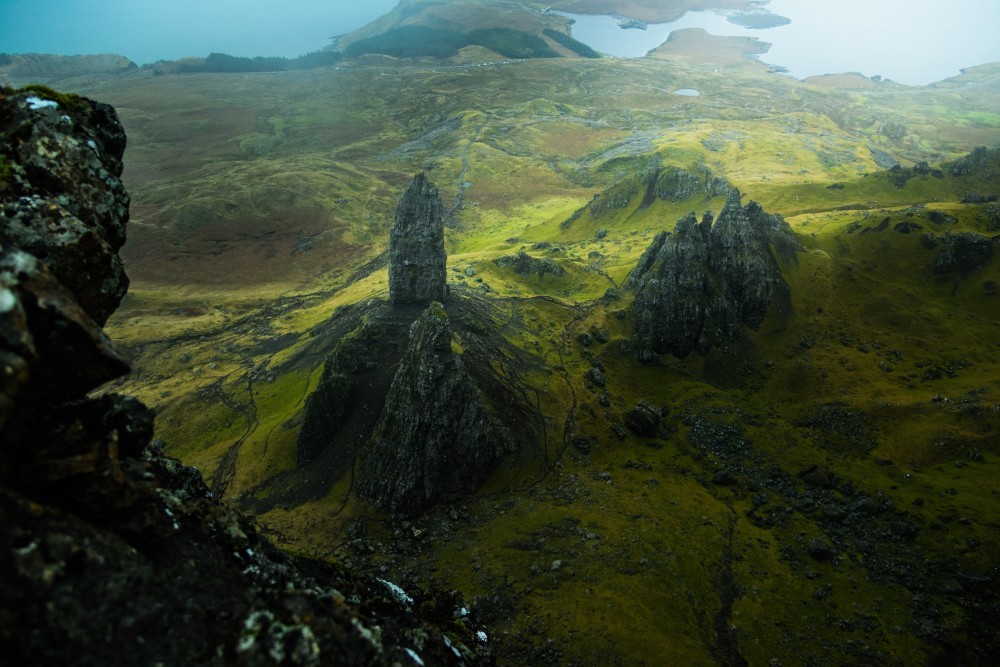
(417, 257)
(701, 285)
(435, 437)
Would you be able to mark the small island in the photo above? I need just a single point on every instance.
(758, 19)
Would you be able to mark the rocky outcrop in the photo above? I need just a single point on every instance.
(524, 264)
(981, 161)
(64, 202)
(675, 184)
(644, 419)
(435, 437)
(110, 553)
(701, 285)
(342, 410)
(416, 246)
(963, 253)
(655, 182)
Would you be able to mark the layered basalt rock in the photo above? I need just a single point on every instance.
(435, 437)
(416, 246)
(705, 283)
(110, 553)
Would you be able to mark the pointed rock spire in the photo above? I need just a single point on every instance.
(416, 246)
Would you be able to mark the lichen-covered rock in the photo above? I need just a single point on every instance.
(417, 257)
(435, 437)
(50, 350)
(524, 264)
(982, 161)
(963, 253)
(705, 282)
(61, 195)
(644, 419)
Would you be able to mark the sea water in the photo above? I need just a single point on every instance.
(910, 41)
(147, 31)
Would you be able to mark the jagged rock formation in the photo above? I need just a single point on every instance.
(655, 182)
(111, 554)
(435, 437)
(394, 400)
(357, 373)
(963, 253)
(524, 264)
(982, 160)
(705, 282)
(416, 246)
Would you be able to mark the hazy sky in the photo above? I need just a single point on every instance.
(150, 30)
(910, 41)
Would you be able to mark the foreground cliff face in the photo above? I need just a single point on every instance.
(703, 284)
(110, 553)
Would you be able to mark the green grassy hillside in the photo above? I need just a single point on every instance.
(821, 493)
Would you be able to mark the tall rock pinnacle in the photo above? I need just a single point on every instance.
(416, 246)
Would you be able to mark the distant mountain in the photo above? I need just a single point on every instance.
(43, 66)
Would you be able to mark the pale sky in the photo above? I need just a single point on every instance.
(910, 41)
(150, 30)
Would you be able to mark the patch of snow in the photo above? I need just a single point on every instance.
(397, 592)
(36, 103)
(413, 654)
(7, 300)
(451, 646)
(481, 636)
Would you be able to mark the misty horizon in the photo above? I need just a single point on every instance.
(146, 32)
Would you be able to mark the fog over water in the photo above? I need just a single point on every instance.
(910, 41)
(150, 30)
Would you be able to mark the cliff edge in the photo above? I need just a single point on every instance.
(110, 553)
